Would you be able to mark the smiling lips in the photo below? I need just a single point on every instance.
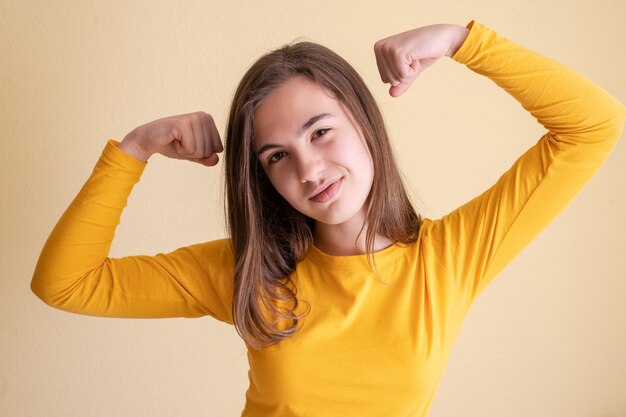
(328, 193)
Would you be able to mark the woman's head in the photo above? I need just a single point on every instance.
(270, 215)
(306, 140)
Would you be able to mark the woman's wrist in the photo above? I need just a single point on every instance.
(458, 35)
(131, 147)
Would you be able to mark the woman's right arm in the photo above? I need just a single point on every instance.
(75, 274)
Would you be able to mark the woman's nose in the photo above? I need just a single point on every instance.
(309, 166)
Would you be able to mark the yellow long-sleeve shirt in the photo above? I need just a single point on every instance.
(366, 348)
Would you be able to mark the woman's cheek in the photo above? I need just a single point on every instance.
(278, 181)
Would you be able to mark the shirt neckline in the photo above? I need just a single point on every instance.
(381, 257)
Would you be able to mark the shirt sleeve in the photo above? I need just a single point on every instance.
(474, 242)
(75, 274)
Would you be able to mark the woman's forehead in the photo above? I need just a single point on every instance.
(293, 107)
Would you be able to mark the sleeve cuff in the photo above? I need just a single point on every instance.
(112, 155)
(467, 48)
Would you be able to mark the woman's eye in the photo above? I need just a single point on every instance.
(321, 130)
(278, 155)
(272, 160)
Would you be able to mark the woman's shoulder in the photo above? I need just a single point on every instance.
(215, 248)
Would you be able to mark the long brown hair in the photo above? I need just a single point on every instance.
(268, 235)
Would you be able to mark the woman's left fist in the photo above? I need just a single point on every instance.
(402, 57)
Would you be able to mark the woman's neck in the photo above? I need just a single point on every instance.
(337, 240)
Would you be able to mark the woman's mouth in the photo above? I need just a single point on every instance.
(327, 193)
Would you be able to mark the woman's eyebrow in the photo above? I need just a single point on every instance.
(312, 120)
(304, 127)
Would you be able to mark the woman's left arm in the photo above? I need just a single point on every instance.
(474, 242)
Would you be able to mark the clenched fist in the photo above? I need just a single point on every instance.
(192, 136)
(402, 57)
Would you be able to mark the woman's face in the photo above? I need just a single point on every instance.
(306, 140)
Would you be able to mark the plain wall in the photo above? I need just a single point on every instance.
(546, 338)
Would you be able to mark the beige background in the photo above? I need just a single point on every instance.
(546, 338)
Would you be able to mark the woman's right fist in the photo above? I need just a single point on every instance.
(191, 136)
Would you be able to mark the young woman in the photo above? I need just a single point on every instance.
(349, 302)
